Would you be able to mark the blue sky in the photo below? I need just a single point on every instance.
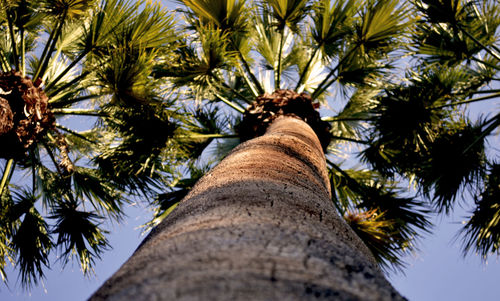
(437, 272)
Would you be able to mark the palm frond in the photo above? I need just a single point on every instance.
(332, 24)
(456, 30)
(78, 233)
(375, 231)
(90, 187)
(456, 157)
(482, 230)
(225, 15)
(373, 206)
(380, 27)
(31, 242)
(288, 12)
(352, 122)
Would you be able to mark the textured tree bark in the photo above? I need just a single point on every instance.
(259, 226)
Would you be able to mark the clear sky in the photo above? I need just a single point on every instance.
(437, 272)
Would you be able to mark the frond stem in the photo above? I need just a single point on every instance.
(4, 64)
(254, 80)
(53, 158)
(494, 54)
(486, 91)
(9, 167)
(33, 171)
(61, 104)
(223, 83)
(67, 69)
(494, 122)
(86, 112)
(68, 84)
(230, 103)
(44, 61)
(23, 53)
(485, 63)
(465, 101)
(277, 74)
(13, 41)
(342, 119)
(306, 68)
(319, 91)
(327, 82)
(44, 53)
(203, 136)
(350, 139)
(241, 96)
(74, 133)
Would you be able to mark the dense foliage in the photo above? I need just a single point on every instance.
(425, 127)
(79, 110)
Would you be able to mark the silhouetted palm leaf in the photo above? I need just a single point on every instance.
(482, 230)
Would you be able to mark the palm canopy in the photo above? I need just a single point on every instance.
(66, 64)
(424, 128)
(337, 54)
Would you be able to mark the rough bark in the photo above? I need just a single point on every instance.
(259, 226)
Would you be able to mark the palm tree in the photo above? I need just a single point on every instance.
(263, 203)
(423, 129)
(91, 62)
(339, 53)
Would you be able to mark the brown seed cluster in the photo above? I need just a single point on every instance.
(65, 163)
(24, 114)
(268, 107)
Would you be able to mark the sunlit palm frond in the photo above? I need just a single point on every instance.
(226, 15)
(380, 26)
(289, 12)
(375, 231)
(332, 23)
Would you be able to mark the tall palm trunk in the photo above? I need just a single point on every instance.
(259, 226)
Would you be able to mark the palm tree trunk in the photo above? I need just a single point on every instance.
(259, 226)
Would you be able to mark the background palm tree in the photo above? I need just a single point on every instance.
(423, 129)
(91, 61)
